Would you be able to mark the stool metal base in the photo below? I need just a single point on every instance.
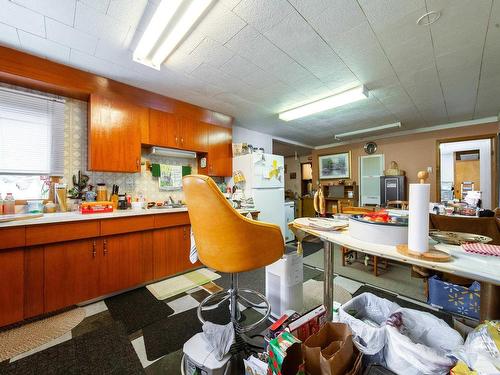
(234, 295)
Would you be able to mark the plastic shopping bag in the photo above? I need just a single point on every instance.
(418, 343)
(366, 314)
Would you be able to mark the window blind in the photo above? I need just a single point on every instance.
(31, 134)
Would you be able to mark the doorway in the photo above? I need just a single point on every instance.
(467, 167)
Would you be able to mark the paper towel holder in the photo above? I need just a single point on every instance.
(432, 255)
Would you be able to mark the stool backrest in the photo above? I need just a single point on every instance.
(226, 240)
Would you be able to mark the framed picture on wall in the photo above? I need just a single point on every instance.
(335, 166)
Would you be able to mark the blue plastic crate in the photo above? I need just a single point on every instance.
(455, 298)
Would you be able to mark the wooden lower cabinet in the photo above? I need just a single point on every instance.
(123, 261)
(12, 286)
(71, 273)
(171, 248)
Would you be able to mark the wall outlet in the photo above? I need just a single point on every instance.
(429, 169)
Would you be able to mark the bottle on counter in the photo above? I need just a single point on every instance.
(1, 204)
(114, 197)
(9, 204)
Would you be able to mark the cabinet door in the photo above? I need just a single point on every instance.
(220, 161)
(12, 286)
(185, 128)
(71, 273)
(163, 129)
(123, 262)
(171, 248)
(114, 135)
(200, 136)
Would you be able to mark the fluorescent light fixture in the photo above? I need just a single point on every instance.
(334, 101)
(171, 22)
(173, 153)
(369, 130)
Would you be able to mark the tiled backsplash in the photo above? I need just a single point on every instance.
(75, 155)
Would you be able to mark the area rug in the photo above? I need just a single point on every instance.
(137, 309)
(29, 336)
(103, 351)
(182, 283)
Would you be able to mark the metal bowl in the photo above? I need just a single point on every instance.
(457, 238)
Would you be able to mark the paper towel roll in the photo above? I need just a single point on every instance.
(418, 221)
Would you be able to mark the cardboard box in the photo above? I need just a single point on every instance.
(309, 323)
(285, 355)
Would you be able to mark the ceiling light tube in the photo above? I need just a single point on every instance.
(161, 18)
(334, 101)
(187, 20)
(369, 130)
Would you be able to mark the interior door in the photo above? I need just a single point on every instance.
(71, 273)
(122, 262)
(370, 169)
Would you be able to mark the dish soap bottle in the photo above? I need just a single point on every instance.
(9, 204)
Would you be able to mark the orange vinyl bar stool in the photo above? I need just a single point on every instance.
(229, 242)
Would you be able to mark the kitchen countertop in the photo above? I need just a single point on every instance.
(63, 217)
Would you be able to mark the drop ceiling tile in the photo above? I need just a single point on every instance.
(100, 5)
(295, 37)
(382, 13)
(330, 18)
(183, 62)
(127, 11)
(91, 21)
(91, 63)
(43, 47)
(220, 24)
(361, 52)
(62, 11)
(263, 15)
(22, 18)
(70, 37)
(230, 4)
(238, 66)
(212, 52)
(8, 36)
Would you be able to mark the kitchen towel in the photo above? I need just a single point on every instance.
(482, 248)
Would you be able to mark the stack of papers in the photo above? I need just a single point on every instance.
(326, 224)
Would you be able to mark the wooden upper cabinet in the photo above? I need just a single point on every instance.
(219, 158)
(162, 129)
(114, 135)
(176, 131)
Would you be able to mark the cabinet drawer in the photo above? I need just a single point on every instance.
(171, 219)
(42, 234)
(12, 237)
(126, 224)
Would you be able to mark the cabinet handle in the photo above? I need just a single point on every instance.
(184, 232)
(94, 252)
(105, 247)
(176, 140)
(182, 141)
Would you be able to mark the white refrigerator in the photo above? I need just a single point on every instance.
(265, 183)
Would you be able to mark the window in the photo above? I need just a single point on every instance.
(31, 142)
(31, 134)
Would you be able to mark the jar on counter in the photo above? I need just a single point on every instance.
(122, 202)
(50, 207)
(9, 205)
(102, 192)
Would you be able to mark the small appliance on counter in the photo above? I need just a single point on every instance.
(122, 202)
